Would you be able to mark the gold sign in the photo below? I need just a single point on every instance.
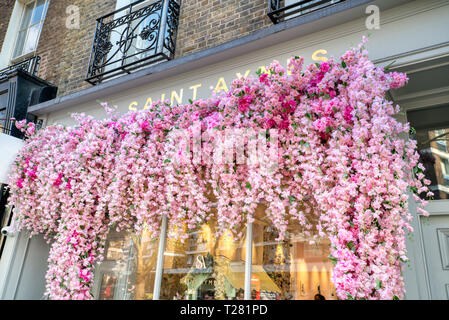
(183, 95)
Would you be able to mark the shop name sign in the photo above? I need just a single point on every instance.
(198, 90)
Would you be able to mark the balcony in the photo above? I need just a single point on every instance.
(280, 10)
(137, 35)
(30, 65)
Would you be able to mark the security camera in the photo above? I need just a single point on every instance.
(8, 231)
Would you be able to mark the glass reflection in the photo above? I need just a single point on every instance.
(204, 267)
(129, 268)
(434, 155)
(291, 269)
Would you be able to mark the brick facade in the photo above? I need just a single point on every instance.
(202, 24)
(208, 23)
(65, 52)
(6, 7)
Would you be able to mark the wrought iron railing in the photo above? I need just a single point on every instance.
(134, 36)
(279, 10)
(30, 65)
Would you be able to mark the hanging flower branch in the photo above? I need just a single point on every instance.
(340, 168)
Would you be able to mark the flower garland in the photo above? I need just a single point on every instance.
(342, 172)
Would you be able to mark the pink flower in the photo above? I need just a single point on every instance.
(20, 183)
(58, 180)
(68, 185)
(284, 124)
(20, 124)
(145, 126)
(324, 67)
(244, 103)
(397, 80)
(30, 129)
(348, 114)
(270, 123)
(263, 78)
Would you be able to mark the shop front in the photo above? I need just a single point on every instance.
(207, 267)
(256, 265)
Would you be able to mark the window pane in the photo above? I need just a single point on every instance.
(38, 11)
(27, 16)
(2, 117)
(432, 134)
(204, 267)
(129, 268)
(291, 269)
(20, 42)
(32, 38)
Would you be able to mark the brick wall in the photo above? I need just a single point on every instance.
(208, 23)
(203, 24)
(65, 52)
(6, 7)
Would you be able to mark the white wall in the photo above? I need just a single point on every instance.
(9, 147)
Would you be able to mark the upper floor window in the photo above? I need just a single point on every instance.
(431, 134)
(30, 27)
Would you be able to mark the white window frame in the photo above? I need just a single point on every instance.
(18, 58)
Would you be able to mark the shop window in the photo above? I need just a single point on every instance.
(128, 270)
(431, 127)
(204, 267)
(209, 267)
(291, 269)
(30, 28)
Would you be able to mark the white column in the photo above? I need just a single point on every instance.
(248, 260)
(160, 259)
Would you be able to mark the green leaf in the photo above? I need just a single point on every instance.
(350, 245)
(343, 64)
(248, 185)
(291, 199)
(167, 160)
(378, 284)
(387, 67)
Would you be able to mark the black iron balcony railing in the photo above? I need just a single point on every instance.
(134, 36)
(278, 10)
(30, 65)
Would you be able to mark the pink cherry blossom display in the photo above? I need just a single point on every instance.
(343, 172)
